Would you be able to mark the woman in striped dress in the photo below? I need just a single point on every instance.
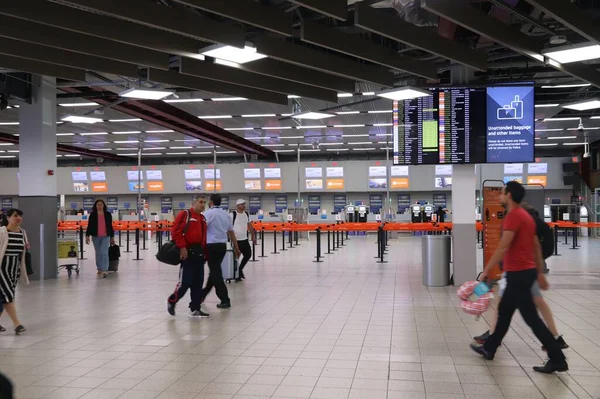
(13, 242)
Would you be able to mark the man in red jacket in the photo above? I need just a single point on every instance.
(192, 245)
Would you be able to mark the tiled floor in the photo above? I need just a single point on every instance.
(344, 328)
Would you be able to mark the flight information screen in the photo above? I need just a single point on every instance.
(447, 127)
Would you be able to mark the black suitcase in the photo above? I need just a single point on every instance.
(114, 253)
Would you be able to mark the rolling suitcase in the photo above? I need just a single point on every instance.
(114, 253)
(229, 266)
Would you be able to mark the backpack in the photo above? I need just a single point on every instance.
(544, 233)
(235, 215)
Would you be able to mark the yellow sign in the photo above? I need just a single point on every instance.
(67, 249)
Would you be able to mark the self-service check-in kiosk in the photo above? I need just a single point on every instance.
(427, 212)
(415, 211)
(362, 214)
(351, 216)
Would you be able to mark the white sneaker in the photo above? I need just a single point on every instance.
(197, 314)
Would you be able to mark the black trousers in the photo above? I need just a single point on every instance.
(246, 251)
(191, 276)
(216, 253)
(517, 295)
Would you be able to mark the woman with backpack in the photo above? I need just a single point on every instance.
(102, 235)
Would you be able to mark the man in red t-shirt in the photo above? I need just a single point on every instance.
(520, 251)
(192, 246)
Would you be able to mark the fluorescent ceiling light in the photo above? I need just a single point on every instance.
(180, 148)
(226, 152)
(215, 116)
(404, 93)
(259, 116)
(201, 153)
(184, 100)
(9, 123)
(156, 141)
(562, 138)
(276, 127)
(80, 119)
(124, 149)
(340, 126)
(152, 153)
(384, 111)
(369, 93)
(78, 104)
(546, 145)
(8, 156)
(566, 86)
(65, 134)
(327, 144)
(101, 149)
(383, 124)
(293, 137)
(293, 96)
(125, 120)
(585, 128)
(344, 95)
(312, 127)
(229, 99)
(146, 94)
(234, 129)
(337, 149)
(273, 145)
(13, 151)
(129, 154)
(383, 134)
(233, 54)
(287, 115)
(93, 134)
(6, 144)
(561, 119)
(355, 135)
(313, 115)
(261, 138)
(284, 150)
(348, 112)
(130, 132)
(361, 143)
(364, 149)
(311, 150)
(546, 105)
(126, 141)
(153, 148)
(160, 131)
(574, 144)
(550, 130)
(176, 153)
(573, 53)
(58, 155)
(583, 105)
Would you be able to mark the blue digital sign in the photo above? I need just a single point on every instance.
(510, 124)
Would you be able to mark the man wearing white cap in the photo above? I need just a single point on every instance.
(241, 226)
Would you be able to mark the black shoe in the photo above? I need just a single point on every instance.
(482, 338)
(224, 305)
(171, 308)
(561, 343)
(242, 276)
(550, 367)
(19, 329)
(197, 314)
(479, 349)
(2, 329)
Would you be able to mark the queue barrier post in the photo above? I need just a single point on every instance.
(143, 240)
(318, 246)
(283, 239)
(262, 243)
(382, 243)
(328, 242)
(274, 243)
(253, 251)
(81, 241)
(137, 239)
(127, 241)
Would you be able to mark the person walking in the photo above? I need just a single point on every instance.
(102, 235)
(13, 245)
(3, 218)
(189, 234)
(523, 263)
(241, 227)
(219, 228)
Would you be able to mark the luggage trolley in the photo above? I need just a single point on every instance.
(68, 250)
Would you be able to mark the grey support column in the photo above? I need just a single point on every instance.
(464, 236)
(37, 187)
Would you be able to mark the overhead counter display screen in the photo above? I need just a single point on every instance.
(510, 124)
(447, 127)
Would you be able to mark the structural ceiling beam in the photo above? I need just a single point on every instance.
(462, 13)
(570, 15)
(192, 82)
(354, 46)
(321, 61)
(65, 58)
(209, 70)
(332, 8)
(249, 12)
(41, 68)
(80, 21)
(384, 24)
(176, 20)
(53, 37)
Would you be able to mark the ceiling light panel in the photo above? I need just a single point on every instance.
(313, 115)
(184, 100)
(404, 93)
(215, 116)
(146, 94)
(233, 54)
(573, 53)
(78, 105)
(80, 119)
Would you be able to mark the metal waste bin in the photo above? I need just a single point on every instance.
(436, 260)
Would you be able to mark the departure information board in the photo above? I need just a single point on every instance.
(448, 127)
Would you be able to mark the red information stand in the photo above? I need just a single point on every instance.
(492, 217)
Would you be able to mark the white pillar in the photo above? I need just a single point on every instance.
(464, 235)
(38, 175)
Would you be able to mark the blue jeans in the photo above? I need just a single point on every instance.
(101, 245)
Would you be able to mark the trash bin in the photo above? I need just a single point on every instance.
(436, 260)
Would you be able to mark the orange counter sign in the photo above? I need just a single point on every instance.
(399, 182)
(210, 185)
(99, 187)
(492, 218)
(335, 184)
(273, 184)
(155, 186)
(543, 180)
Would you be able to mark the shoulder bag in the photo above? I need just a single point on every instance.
(169, 253)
